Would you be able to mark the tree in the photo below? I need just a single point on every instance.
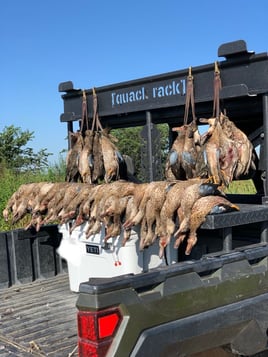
(16, 155)
(129, 143)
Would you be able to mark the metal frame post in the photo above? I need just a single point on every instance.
(265, 132)
(227, 239)
(69, 129)
(149, 144)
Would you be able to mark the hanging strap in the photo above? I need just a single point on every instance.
(84, 111)
(96, 124)
(217, 88)
(189, 97)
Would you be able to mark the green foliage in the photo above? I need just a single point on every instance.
(55, 172)
(11, 180)
(129, 143)
(15, 155)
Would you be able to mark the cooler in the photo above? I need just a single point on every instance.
(91, 257)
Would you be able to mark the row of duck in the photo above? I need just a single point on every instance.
(162, 208)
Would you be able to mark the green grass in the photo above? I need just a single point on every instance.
(10, 182)
(241, 187)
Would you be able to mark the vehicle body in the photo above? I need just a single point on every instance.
(215, 300)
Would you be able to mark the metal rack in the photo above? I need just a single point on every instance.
(161, 99)
(247, 214)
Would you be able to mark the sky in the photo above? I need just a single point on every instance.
(101, 42)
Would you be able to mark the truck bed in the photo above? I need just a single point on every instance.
(38, 319)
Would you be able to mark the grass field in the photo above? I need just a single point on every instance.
(242, 187)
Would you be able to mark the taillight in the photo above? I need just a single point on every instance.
(96, 330)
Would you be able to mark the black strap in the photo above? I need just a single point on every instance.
(96, 124)
(217, 88)
(189, 97)
(84, 112)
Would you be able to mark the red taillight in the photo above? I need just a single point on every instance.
(96, 330)
(108, 324)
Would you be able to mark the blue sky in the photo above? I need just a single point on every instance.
(95, 43)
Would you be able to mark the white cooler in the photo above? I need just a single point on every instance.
(90, 258)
